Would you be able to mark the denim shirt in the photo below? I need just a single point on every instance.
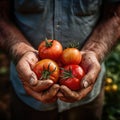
(65, 20)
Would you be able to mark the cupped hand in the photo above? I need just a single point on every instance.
(42, 90)
(91, 66)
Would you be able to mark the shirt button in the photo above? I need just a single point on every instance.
(57, 26)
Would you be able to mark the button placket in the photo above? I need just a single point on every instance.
(57, 19)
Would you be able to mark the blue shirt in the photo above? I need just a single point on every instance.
(64, 20)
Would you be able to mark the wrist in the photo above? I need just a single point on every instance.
(93, 53)
(19, 49)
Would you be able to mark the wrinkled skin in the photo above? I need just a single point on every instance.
(92, 68)
(104, 37)
(44, 91)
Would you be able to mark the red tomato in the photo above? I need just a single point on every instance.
(51, 49)
(71, 76)
(71, 56)
(47, 69)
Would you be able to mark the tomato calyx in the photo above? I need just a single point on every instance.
(46, 72)
(48, 44)
(74, 45)
(66, 73)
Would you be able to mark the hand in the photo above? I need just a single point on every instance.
(42, 90)
(91, 66)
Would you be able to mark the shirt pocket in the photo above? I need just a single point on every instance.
(85, 7)
(30, 6)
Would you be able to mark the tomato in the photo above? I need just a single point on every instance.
(114, 87)
(71, 76)
(51, 49)
(111, 88)
(107, 88)
(47, 69)
(108, 80)
(72, 83)
(71, 56)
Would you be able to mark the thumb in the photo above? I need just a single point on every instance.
(33, 79)
(25, 73)
(90, 77)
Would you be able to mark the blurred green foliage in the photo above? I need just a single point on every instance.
(112, 86)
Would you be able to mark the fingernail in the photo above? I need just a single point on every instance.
(32, 81)
(85, 84)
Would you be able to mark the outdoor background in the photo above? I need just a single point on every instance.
(111, 109)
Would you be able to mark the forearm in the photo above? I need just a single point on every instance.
(106, 34)
(11, 39)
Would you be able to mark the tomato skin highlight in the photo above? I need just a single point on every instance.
(72, 83)
(47, 65)
(71, 56)
(53, 51)
(74, 80)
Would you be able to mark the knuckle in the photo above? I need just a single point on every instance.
(76, 97)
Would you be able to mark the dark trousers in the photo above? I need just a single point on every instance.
(91, 111)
